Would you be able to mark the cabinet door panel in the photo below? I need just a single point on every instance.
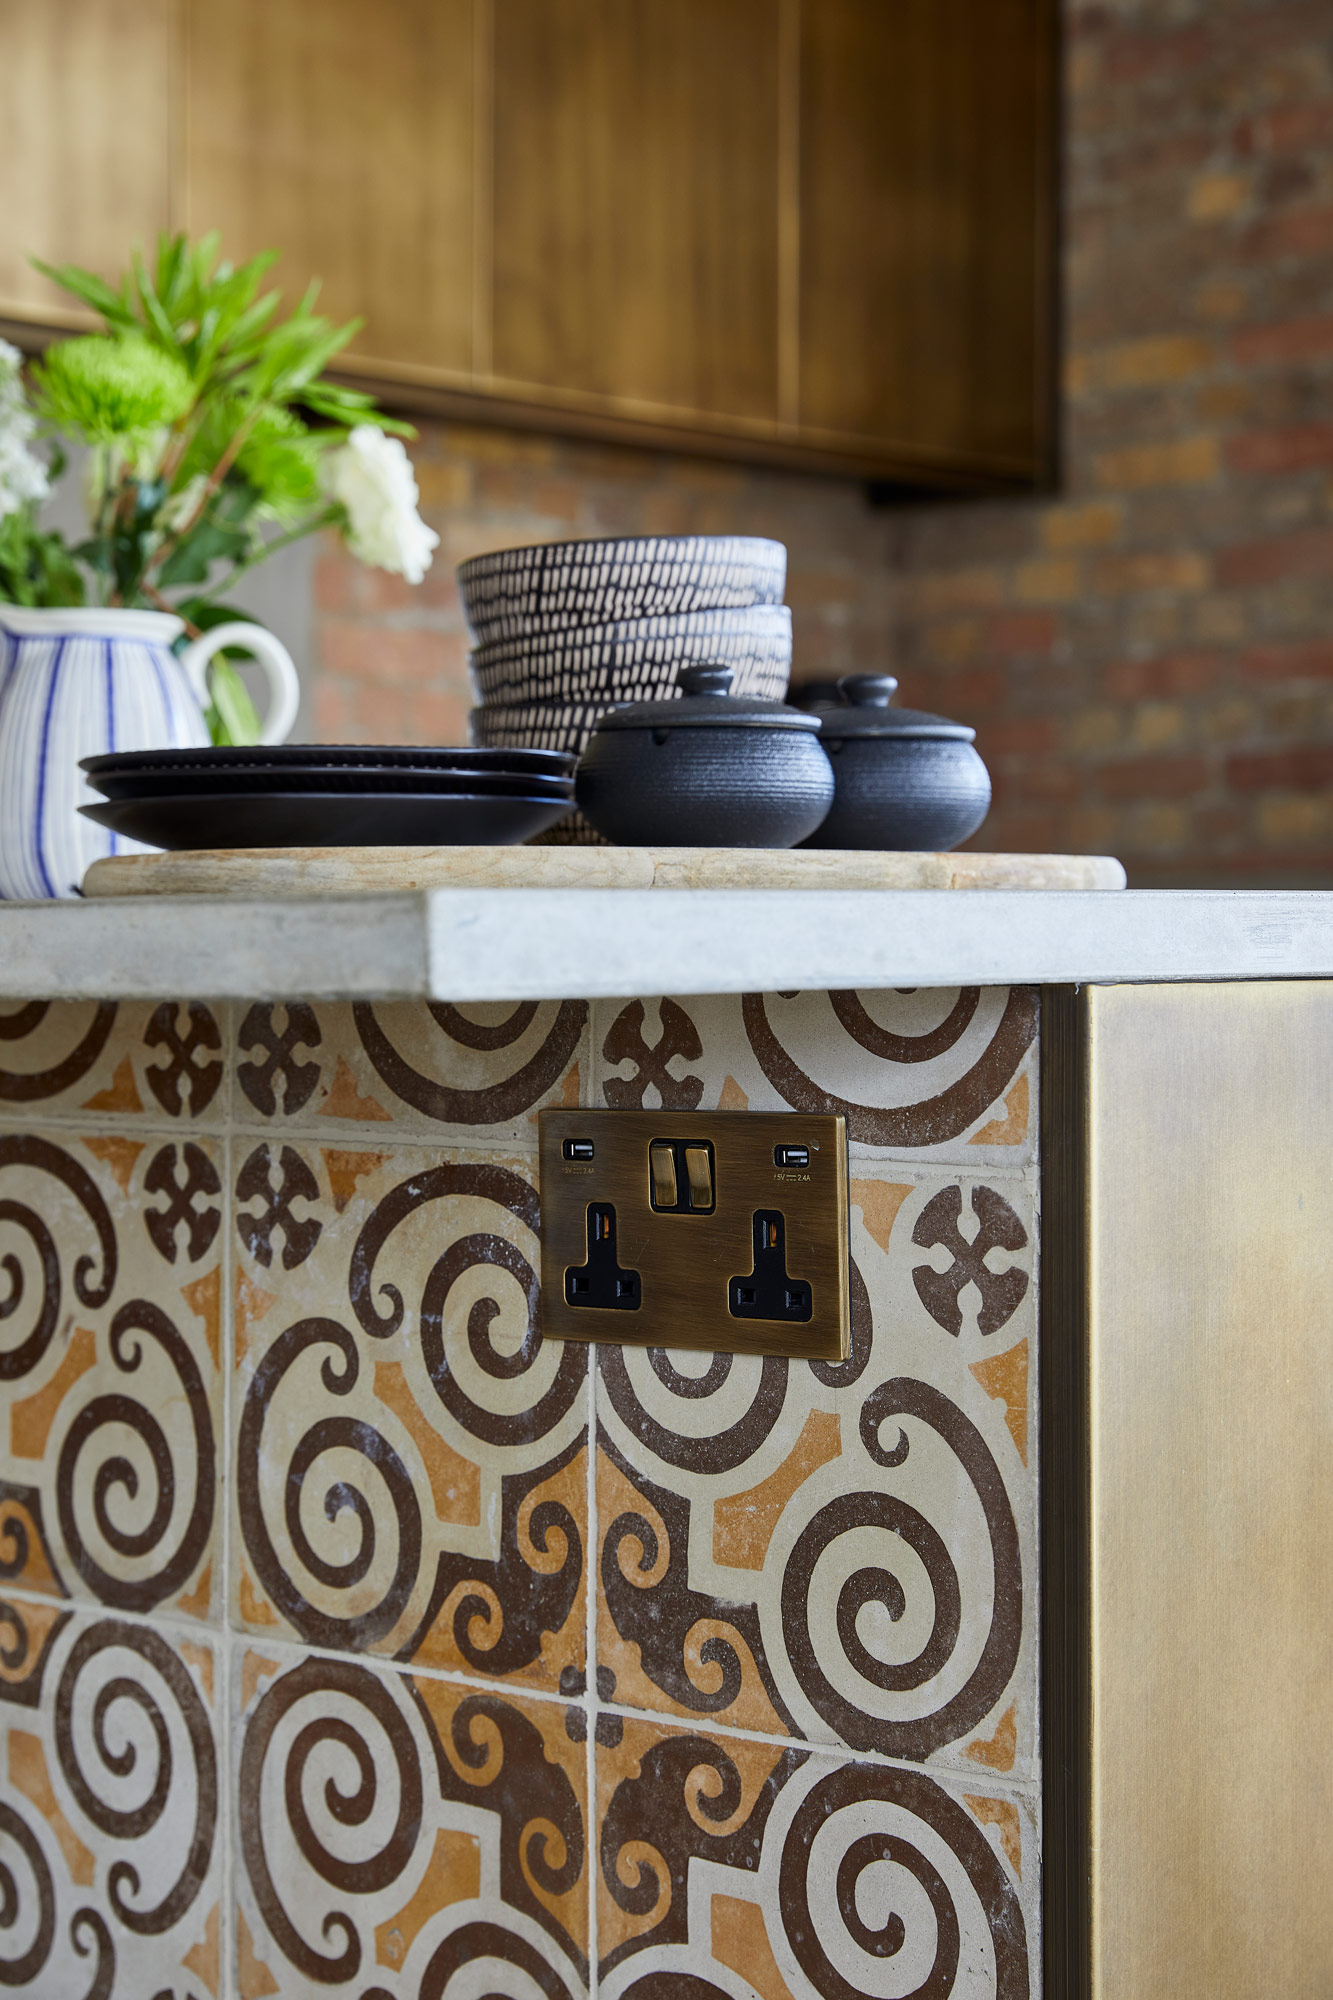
(85, 104)
(636, 201)
(923, 222)
(341, 134)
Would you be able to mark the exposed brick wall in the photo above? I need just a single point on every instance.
(393, 660)
(1148, 657)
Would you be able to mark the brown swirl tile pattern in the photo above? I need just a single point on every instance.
(295, 1693)
(486, 1070)
(410, 1452)
(394, 1830)
(110, 1372)
(844, 1552)
(815, 1877)
(130, 1062)
(110, 1855)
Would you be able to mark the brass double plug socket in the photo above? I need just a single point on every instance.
(722, 1230)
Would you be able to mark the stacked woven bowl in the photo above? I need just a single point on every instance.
(566, 630)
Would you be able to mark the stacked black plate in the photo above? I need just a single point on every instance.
(330, 795)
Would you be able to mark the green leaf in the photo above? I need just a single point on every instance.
(211, 541)
(86, 285)
(231, 716)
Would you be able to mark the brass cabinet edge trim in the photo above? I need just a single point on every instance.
(1065, 1500)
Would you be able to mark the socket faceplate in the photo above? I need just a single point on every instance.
(687, 1259)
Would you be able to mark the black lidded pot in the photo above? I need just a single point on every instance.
(906, 782)
(709, 769)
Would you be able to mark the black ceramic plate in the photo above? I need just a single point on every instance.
(356, 756)
(324, 819)
(213, 784)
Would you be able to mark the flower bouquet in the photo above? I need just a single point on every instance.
(213, 438)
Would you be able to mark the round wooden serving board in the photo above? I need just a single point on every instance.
(341, 871)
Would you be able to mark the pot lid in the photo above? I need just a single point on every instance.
(706, 702)
(864, 710)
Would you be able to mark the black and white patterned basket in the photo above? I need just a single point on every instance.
(558, 586)
(637, 659)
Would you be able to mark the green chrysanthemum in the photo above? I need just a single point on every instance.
(108, 389)
(279, 457)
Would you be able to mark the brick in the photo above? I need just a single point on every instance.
(1151, 777)
(1189, 461)
(1167, 569)
(1137, 57)
(1169, 674)
(1018, 632)
(1297, 660)
(1092, 729)
(1295, 448)
(1298, 819)
(1285, 128)
(1157, 725)
(1307, 553)
(960, 590)
(1217, 197)
(1054, 581)
(1163, 828)
(1092, 525)
(953, 640)
(1020, 735)
(1138, 364)
(1302, 767)
(1281, 344)
(1304, 232)
(443, 484)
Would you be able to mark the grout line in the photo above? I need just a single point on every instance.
(667, 1721)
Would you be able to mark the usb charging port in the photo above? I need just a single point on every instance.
(791, 1156)
(578, 1149)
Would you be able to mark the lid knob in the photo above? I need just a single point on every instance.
(705, 679)
(867, 690)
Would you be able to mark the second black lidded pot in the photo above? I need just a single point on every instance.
(706, 770)
(906, 781)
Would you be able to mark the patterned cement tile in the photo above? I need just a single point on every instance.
(410, 1453)
(412, 1067)
(110, 1368)
(934, 1074)
(734, 1868)
(110, 1808)
(844, 1553)
(116, 1063)
(393, 1830)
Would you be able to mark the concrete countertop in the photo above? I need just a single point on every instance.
(531, 944)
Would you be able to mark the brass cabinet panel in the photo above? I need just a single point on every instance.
(926, 224)
(342, 135)
(799, 232)
(636, 201)
(1206, 1153)
(86, 105)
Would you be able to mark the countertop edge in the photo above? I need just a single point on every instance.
(536, 944)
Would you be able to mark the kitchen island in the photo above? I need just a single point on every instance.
(355, 1635)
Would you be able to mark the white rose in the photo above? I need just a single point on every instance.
(22, 474)
(371, 477)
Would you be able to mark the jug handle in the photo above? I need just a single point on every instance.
(284, 688)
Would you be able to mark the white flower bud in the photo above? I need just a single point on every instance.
(371, 477)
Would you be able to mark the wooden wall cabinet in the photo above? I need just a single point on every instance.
(815, 233)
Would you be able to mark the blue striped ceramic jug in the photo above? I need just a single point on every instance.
(77, 683)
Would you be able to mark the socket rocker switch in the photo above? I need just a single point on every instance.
(720, 1230)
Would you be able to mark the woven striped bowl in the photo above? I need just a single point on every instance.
(637, 659)
(558, 586)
